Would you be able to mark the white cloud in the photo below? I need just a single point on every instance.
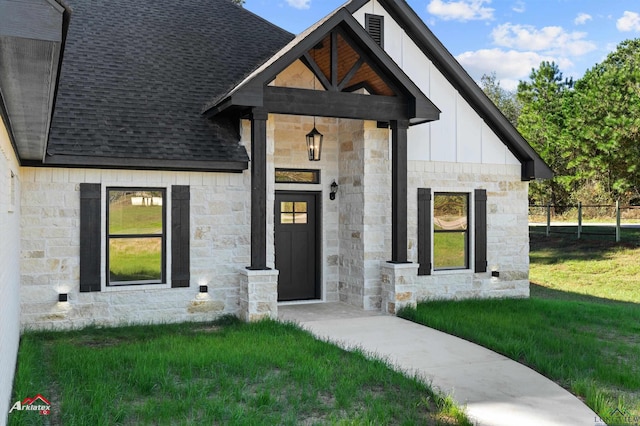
(461, 10)
(630, 21)
(549, 40)
(582, 19)
(510, 66)
(299, 4)
(519, 7)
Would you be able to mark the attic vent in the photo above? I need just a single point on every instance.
(374, 24)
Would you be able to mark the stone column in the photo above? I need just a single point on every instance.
(258, 294)
(398, 286)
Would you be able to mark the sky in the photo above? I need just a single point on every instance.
(505, 37)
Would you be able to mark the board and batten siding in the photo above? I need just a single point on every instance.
(460, 136)
(9, 268)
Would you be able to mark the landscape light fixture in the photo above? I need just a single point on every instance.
(204, 289)
(63, 297)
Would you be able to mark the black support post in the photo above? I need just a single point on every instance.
(259, 189)
(399, 190)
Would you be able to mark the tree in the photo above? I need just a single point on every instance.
(544, 101)
(505, 100)
(605, 123)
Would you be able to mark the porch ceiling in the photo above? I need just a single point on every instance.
(350, 65)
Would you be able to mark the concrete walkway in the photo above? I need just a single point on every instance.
(495, 390)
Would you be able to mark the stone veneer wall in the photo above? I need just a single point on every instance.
(9, 268)
(507, 229)
(365, 211)
(220, 247)
(351, 229)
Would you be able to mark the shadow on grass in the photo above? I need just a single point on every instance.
(558, 248)
(541, 292)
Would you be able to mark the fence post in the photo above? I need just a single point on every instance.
(579, 219)
(618, 221)
(548, 219)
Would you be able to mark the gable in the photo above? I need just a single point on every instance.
(408, 29)
(345, 59)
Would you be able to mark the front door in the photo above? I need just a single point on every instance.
(297, 253)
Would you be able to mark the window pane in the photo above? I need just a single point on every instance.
(135, 212)
(135, 259)
(297, 176)
(286, 218)
(286, 207)
(450, 212)
(300, 218)
(301, 207)
(450, 250)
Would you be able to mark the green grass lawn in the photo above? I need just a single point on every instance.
(581, 326)
(223, 373)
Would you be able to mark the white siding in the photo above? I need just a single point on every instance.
(9, 269)
(468, 132)
(460, 135)
(443, 131)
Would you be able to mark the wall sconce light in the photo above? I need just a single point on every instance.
(63, 297)
(334, 190)
(495, 274)
(204, 289)
(314, 143)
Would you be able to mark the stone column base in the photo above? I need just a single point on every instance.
(258, 295)
(398, 286)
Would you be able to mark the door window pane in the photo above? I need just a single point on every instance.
(293, 212)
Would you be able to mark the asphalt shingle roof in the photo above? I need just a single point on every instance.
(136, 75)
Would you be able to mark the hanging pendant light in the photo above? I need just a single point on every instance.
(314, 137)
(314, 143)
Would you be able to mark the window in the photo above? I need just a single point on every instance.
(297, 176)
(444, 241)
(135, 244)
(450, 231)
(293, 212)
(136, 236)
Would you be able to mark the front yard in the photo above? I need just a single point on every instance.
(581, 326)
(222, 373)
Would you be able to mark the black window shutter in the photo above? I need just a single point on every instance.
(481, 230)
(90, 238)
(424, 231)
(180, 236)
(374, 24)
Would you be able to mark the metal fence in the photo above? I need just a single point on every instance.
(562, 219)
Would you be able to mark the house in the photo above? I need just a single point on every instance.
(158, 165)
